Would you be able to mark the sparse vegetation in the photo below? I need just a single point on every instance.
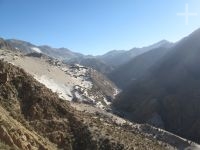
(3, 146)
(37, 110)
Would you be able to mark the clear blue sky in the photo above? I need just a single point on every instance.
(96, 26)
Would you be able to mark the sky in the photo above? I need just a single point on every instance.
(97, 26)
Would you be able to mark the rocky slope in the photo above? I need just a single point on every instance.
(92, 62)
(33, 117)
(168, 96)
(71, 82)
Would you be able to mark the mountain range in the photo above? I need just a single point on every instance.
(135, 68)
(157, 85)
(105, 63)
(34, 116)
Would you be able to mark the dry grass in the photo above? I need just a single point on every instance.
(3, 146)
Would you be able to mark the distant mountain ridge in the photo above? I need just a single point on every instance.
(58, 53)
(116, 58)
(105, 63)
(5, 45)
(137, 67)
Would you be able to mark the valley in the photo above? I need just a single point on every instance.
(149, 100)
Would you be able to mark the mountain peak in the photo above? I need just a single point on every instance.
(162, 43)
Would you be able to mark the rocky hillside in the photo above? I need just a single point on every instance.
(168, 96)
(71, 82)
(33, 117)
(92, 62)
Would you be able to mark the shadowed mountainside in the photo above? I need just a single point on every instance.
(168, 96)
(131, 71)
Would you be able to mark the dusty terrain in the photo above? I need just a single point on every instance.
(77, 83)
(35, 117)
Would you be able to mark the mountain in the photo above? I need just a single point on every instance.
(58, 53)
(113, 60)
(5, 45)
(71, 82)
(105, 63)
(62, 54)
(33, 117)
(168, 95)
(117, 58)
(46, 104)
(134, 69)
(111, 57)
(92, 62)
(23, 46)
